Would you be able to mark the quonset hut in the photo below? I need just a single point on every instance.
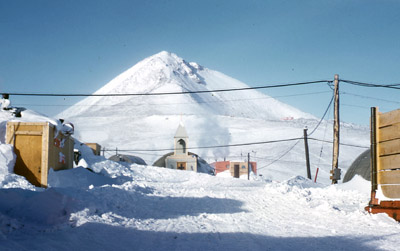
(128, 159)
(360, 166)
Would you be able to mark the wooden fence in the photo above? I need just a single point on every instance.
(385, 162)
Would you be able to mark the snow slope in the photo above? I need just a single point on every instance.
(136, 123)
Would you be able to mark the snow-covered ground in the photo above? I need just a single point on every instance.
(131, 207)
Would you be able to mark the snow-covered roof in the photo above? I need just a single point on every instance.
(181, 132)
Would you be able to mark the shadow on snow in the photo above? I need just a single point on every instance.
(94, 236)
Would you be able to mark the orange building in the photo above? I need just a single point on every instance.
(236, 168)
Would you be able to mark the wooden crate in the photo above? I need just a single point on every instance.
(39, 147)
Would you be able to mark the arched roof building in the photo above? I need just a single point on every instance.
(360, 166)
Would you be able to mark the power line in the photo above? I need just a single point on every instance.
(392, 86)
(182, 103)
(323, 116)
(357, 106)
(206, 147)
(367, 97)
(164, 93)
(343, 144)
(234, 145)
(280, 157)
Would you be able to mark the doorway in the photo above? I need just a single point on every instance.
(181, 165)
(236, 170)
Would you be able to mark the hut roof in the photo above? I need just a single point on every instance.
(128, 159)
(361, 166)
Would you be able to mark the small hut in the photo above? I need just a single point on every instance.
(128, 159)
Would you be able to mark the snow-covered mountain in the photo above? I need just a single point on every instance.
(166, 72)
(136, 123)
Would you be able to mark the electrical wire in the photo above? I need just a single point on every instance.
(343, 144)
(322, 143)
(323, 116)
(367, 97)
(164, 93)
(392, 86)
(280, 157)
(206, 147)
(182, 103)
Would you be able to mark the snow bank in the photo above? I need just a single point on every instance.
(7, 159)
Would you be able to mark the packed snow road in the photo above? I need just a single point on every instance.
(149, 208)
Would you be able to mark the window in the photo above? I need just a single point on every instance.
(243, 167)
(181, 147)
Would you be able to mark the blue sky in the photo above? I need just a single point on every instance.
(78, 46)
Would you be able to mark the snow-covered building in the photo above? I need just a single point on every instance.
(181, 159)
(128, 159)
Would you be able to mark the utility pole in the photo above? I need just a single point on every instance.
(248, 166)
(307, 154)
(336, 126)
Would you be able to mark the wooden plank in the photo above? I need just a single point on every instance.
(389, 132)
(389, 162)
(389, 118)
(28, 126)
(374, 147)
(45, 154)
(389, 147)
(391, 191)
(70, 149)
(28, 133)
(10, 137)
(389, 177)
(27, 123)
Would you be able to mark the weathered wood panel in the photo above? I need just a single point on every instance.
(389, 177)
(389, 132)
(389, 147)
(29, 159)
(61, 151)
(391, 191)
(28, 133)
(389, 118)
(389, 162)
